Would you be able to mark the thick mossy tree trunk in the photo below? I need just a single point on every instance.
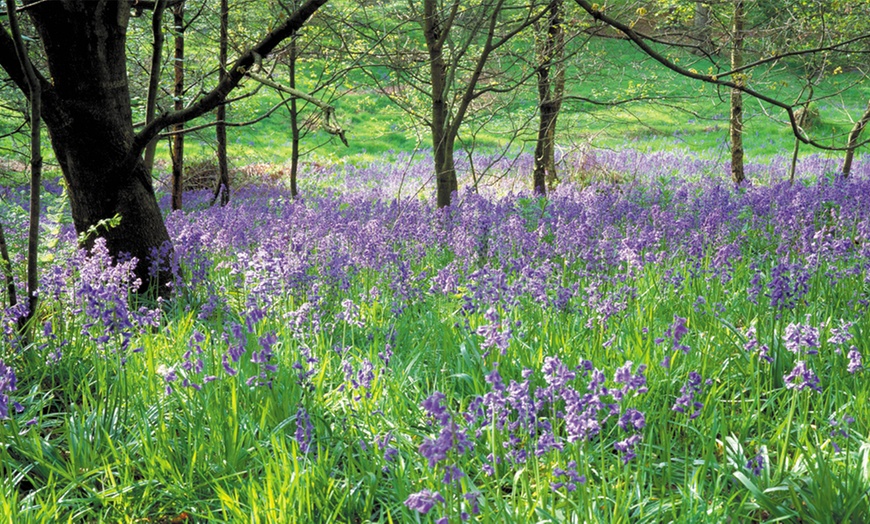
(88, 115)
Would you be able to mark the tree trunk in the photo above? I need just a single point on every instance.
(442, 142)
(801, 121)
(222, 188)
(7, 270)
(88, 116)
(856, 131)
(737, 174)
(178, 92)
(35, 98)
(154, 76)
(550, 91)
(294, 119)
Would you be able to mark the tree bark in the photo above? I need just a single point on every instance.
(737, 173)
(222, 188)
(154, 76)
(856, 131)
(294, 119)
(8, 275)
(551, 88)
(178, 94)
(442, 141)
(35, 98)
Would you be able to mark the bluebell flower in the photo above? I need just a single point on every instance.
(304, 430)
(687, 398)
(802, 377)
(756, 464)
(423, 501)
(855, 361)
(7, 384)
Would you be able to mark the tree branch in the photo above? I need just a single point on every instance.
(598, 14)
(328, 110)
(236, 73)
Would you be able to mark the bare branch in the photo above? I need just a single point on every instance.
(329, 124)
(236, 73)
(598, 14)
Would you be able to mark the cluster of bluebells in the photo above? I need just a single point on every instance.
(361, 379)
(803, 341)
(689, 395)
(788, 284)
(193, 363)
(495, 334)
(579, 253)
(753, 344)
(755, 465)
(802, 377)
(674, 334)
(442, 454)
(567, 478)
(855, 361)
(839, 429)
(840, 336)
(262, 356)
(7, 385)
(304, 430)
(533, 420)
(101, 292)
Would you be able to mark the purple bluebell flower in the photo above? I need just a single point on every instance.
(7, 384)
(556, 373)
(799, 336)
(452, 474)
(855, 361)
(632, 418)
(568, 477)
(631, 382)
(756, 464)
(423, 501)
(231, 371)
(350, 313)
(494, 334)
(451, 437)
(169, 376)
(753, 344)
(304, 430)
(626, 448)
(433, 407)
(677, 330)
(688, 399)
(802, 377)
(841, 335)
(473, 499)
